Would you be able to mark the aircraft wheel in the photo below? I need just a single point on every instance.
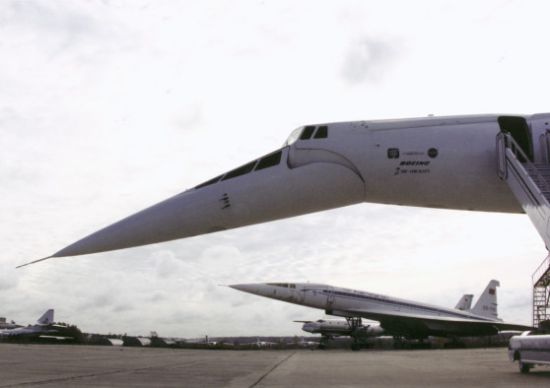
(523, 367)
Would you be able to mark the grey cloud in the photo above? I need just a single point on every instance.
(9, 279)
(52, 18)
(368, 59)
(122, 308)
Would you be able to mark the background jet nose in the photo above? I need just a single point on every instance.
(252, 288)
(309, 327)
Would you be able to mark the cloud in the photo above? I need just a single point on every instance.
(9, 279)
(368, 59)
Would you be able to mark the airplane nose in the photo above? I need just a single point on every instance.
(264, 190)
(251, 288)
(181, 214)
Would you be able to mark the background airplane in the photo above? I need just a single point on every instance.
(465, 303)
(352, 327)
(325, 166)
(397, 317)
(44, 326)
(355, 328)
(8, 325)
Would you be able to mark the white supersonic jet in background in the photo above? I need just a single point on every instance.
(356, 328)
(475, 162)
(397, 317)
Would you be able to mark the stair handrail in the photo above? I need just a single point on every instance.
(513, 146)
(541, 270)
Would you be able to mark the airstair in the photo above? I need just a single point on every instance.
(530, 183)
(541, 293)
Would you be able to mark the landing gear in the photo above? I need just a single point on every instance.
(355, 323)
(398, 342)
(524, 368)
(323, 342)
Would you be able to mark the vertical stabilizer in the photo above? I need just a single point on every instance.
(486, 305)
(46, 318)
(465, 303)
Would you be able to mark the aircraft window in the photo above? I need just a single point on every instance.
(307, 132)
(269, 160)
(322, 132)
(293, 136)
(239, 171)
(285, 285)
(211, 181)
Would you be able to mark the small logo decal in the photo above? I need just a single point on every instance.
(432, 152)
(393, 153)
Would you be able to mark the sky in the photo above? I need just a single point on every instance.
(107, 107)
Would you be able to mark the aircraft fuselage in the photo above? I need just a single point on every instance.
(439, 162)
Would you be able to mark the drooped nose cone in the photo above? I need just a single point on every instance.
(255, 289)
(180, 215)
(273, 187)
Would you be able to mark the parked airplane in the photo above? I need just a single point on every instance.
(8, 325)
(397, 317)
(465, 303)
(354, 327)
(326, 166)
(44, 326)
(351, 327)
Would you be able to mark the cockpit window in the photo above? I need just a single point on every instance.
(322, 132)
(270, 160)
(211, 181)
(239, 171)
(283, 285)
(307, 132)
(293, 136)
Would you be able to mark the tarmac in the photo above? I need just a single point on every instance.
(102, 366)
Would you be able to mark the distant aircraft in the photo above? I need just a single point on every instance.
(472, 162)
(465, 303)
(397, 317)
(352, 327)
(44, 326)
(8, 325)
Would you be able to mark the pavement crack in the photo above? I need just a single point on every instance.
(271, 370)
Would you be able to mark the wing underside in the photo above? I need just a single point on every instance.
(421, 326)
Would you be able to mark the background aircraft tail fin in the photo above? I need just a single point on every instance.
(486, 305)
(46, 318)
(465, 303)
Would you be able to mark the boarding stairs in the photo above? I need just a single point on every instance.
(541, 293)
(530, 183)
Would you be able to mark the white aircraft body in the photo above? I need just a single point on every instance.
(355, 328)
(351, 327)
(339, 327)
(397, 317)
(438, 162)
(44, 325)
